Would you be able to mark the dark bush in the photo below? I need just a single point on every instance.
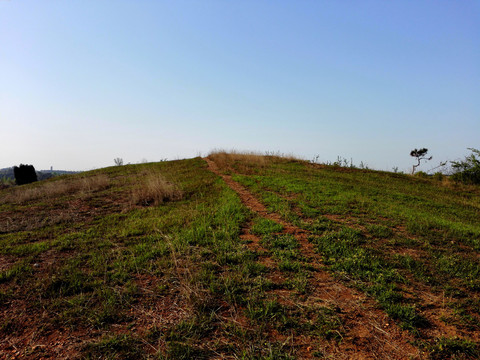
(24, 174)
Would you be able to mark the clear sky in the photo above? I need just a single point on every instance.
(84, 82)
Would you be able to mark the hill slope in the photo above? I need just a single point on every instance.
(277, 259)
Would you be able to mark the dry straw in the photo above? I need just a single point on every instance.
(247, 161)
(154, 190)
(55, 188)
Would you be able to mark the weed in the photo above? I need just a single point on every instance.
(328, 324)
(299, 283)
(270, 312)
(71, 281)
(178, 350)
(380, 231)
(17, 271)
(280, 242)
(122, 347)
(454, 348)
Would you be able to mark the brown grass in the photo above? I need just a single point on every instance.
(247, 159)
(154, 190)
(45, 190)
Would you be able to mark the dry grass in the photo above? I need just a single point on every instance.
(247, 159)
(50, 189)
(154, 190)
(223, 158)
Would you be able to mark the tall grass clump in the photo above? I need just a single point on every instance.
(223, 158)
(247, 161)
(155, 190)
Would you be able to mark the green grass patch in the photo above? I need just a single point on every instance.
(454, 348)
(262, 226)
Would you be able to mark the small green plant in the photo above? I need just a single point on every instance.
(454, 348)
(380, 231)
(328, 324)
(121, 347)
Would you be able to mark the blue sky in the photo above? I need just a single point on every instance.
(84, 82)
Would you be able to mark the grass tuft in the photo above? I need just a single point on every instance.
(154, 190)
(454, 348)
(262, 226)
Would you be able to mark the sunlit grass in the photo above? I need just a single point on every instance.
(160, 244)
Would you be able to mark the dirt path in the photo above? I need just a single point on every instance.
(370, 334)
(433, 303)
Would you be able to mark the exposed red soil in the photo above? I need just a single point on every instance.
(370, 334)
(433, 304)
(32, 334)
(77, 210)
(27, 331)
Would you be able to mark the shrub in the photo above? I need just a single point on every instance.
(468, 170)
(422, 174)
(438, 176)
(118, 161)
(24, 174)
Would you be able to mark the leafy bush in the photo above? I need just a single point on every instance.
(468, 170)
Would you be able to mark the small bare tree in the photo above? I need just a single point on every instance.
(420, 154)
(118, 161)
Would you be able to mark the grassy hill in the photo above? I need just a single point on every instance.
(240, 257)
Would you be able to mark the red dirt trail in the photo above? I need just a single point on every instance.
(370, 333)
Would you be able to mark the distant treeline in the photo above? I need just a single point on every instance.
(7, 173)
